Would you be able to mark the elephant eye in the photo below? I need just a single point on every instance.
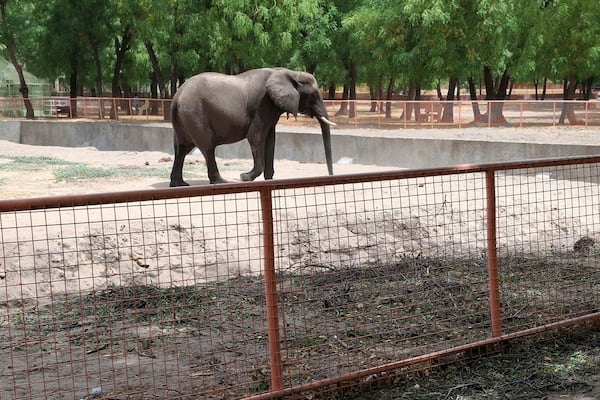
(306, 102)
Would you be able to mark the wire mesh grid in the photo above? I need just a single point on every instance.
(548, 236)
(171, 298)
(379, 271)
(143, 299)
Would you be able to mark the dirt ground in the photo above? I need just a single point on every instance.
(38, 179)
(32, 171)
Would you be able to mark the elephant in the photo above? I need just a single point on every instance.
(211, 109)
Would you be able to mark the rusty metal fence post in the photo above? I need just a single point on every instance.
(266, 202)
(492, 256)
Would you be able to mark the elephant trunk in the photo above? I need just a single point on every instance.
(327, 144)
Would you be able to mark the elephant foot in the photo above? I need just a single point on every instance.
(247, 177)
(178, 183)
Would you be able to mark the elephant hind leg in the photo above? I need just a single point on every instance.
(181, 150)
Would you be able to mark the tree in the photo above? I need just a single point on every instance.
(345, 49)
(379, 34)
(249, 34)
(383, 43)
(11, 20)
(570, 47)
(73, 39)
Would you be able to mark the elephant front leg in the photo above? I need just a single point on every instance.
(270, 154)
(258, 154)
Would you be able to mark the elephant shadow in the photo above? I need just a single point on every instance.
(192, 182)
(163, 185)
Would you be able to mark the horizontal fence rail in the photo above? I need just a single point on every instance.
(266, 289)
(359, 113)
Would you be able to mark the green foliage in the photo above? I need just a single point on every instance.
(408, 40)
(570, 32)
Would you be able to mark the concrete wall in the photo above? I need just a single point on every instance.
(383, 148)
(10, 130)
(102, 135)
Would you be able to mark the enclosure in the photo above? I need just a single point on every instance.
(265, 289)
(379, 114)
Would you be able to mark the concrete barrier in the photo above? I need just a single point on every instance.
(10, 130)
(418, 148)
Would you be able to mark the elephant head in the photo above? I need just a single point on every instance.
(211, 109)
(298, 92)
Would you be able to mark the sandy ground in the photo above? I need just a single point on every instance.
(548, 211)
(42, 182)
(446, 215)
(35, 182)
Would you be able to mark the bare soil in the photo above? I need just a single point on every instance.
(163, 330)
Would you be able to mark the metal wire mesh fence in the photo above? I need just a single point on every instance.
(548, 235)
(273, 288)
(367, 275)
(381, 114)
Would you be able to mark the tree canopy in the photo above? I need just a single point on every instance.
(121, 46)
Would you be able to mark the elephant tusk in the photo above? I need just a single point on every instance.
(328, 122)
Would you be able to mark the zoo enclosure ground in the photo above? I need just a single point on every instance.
(94, 184)
(562, 366)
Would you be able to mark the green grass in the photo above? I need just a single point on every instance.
(69, 171)
(31, 163)
(81, 172)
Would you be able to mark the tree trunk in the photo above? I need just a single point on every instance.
(352, 73)
(498, 107)
(9, 42)
(97, 66)
(154, 86)
(587, 90)
(418, 115)
(348, 107)
(344, 106)
(388, 96)
(410, 105)
(99, 82)
(448, 108)
(331, 92)
(568, 111)
(495, 91)
(474, 102)
(158, 75)
(374, 96)
(544, 89)
(73, 88)
(121, 49)
(174, 75)
(380, 94)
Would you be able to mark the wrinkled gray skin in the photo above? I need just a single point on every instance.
(211, 109)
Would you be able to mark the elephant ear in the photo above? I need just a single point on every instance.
(283, 90)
